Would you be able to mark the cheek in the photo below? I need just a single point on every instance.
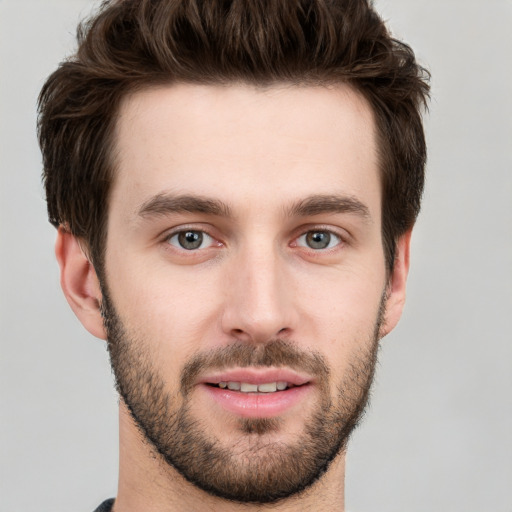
(168, 306)
(344, 299)
(342, 318)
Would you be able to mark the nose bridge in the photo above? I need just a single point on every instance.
(258, 305)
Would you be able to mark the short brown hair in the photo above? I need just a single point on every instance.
(132, 44)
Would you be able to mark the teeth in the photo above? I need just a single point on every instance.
(245, 387)
(270, 387)
(248, 388)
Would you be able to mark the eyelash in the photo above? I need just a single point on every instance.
(298, 241)
(331, 235)
(202, 234)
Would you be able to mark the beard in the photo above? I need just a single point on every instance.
(254, 467)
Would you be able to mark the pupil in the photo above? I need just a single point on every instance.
(318, 239)
(190, 239)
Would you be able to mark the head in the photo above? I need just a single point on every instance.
(179, 140)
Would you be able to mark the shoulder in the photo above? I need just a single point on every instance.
(106, 506)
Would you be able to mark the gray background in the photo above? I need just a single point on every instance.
(438, 434)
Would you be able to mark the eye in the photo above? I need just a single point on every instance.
(190, 240)
(318, 240)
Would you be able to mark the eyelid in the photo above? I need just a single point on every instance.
(206, 230)
(206, 239)
(337, 240)
(340, 233)
(343, 236)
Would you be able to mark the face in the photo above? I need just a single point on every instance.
(245, 279)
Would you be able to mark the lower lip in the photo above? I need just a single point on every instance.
(257, 405)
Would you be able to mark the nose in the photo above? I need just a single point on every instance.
(259, 300)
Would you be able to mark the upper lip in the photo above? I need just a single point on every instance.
(256, 376)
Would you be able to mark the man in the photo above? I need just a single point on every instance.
(234, 186)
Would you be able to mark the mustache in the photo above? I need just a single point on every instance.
(275, 353)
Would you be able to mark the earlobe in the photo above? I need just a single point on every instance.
(396, 290)
(79, 282)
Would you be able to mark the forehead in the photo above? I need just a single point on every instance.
(239, 142)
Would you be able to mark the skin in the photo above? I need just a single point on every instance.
(260, 152)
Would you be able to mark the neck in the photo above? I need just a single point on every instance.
(147, 482)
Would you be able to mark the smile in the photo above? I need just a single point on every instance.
(257, 392)
(246, 387)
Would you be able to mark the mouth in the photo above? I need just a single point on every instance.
(257, 393)
(247, 387)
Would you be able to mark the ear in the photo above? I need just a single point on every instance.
(396, 289)
(79, 282)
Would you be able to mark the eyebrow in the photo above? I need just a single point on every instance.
(321, 204)
(164, 204)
